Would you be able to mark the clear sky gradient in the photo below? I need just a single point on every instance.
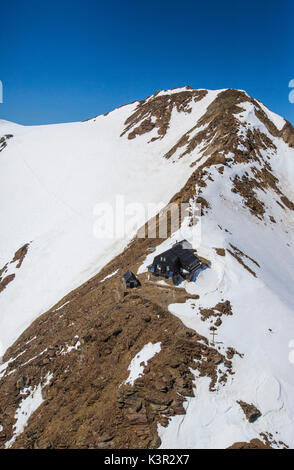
(69, 60)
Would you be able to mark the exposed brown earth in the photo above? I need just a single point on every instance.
(5, 281)
(156, 112)
(214, 314)
(18, 256)
(253, 444)
(3, 141)
(219, 139)
(220, 251)
(266, 441)
(239, 255)
(222, 308)
(269, 440)
(287, 202)
(245, 187)
(250, 411)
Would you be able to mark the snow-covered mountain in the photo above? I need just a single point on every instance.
(52, 178)
(70, 339)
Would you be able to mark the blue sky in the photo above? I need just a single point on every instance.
(69, 60)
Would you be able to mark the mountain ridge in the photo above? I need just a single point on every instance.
(237, 162)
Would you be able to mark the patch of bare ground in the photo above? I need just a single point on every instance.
(220, 251)
(266, 441)
(263, 179)
(18, 257)
(241, 253)
(238, 255)
(287, 202)
(245, 187)
(253, 444)
(5, 281)
(3, 141)
(221, 144)
(155, 112)
(287, 134)
(214, 314)
(231, 352)
(269, 440)
(250, 411)
(195, 185)
(220, 309)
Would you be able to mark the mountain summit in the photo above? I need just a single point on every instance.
(89, 363)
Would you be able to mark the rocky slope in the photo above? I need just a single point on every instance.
(71, 336)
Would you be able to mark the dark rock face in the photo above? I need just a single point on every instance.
(250, 411)
(18, 257)
(3, 141)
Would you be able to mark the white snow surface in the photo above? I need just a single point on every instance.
(27, 407)
(109, 276)
(137, 364)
